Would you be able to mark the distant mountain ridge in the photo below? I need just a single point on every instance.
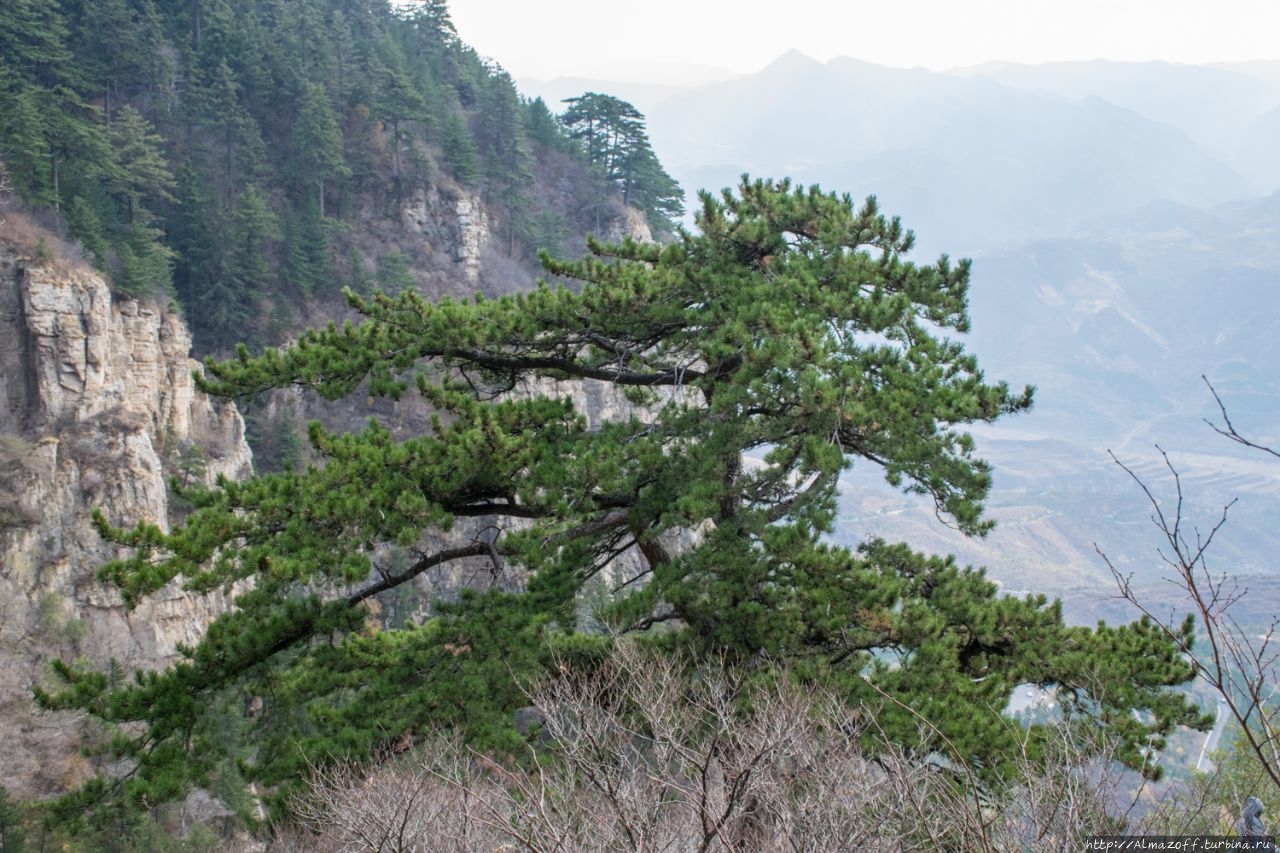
(969, 160)
(1115, 327)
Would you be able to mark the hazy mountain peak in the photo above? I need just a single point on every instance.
(793, 61)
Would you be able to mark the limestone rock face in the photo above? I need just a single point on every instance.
(629, 223)
(457, 223)
(97, 410)
(472, 225)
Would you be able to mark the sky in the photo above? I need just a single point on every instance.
(654, 38)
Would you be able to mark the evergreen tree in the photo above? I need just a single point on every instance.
(33, 47)
(214, 102)
(500, 136)
(144, 263)
(393, 274)
(360, 280)
(119, 46)
(346, 67)
(317, 143)
(399, 101)
(47, 132)
(785, 341)
(304, 261)
(544, 127)
(25, 148)
(612, 135)
(85, 225)
(218, 291)
(646, 185)
(139, 171)
(504, 151)
(460, 154)
(12, 838)
(254, 228)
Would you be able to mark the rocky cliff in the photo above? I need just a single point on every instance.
(97, 410)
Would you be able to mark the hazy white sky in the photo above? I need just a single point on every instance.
(547, 38)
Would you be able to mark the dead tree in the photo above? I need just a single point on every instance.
(1239, 665)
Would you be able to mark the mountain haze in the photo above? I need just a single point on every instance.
(967, 160)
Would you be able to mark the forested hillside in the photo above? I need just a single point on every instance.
(247, 158)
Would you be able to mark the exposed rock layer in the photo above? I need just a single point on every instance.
(97, 409)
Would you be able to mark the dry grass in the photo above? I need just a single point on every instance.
(34, 236)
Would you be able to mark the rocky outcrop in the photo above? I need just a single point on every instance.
(629, 223)
(97, 410)
(458, 224)
(471, 225)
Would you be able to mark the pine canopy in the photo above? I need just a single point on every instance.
(783, 341)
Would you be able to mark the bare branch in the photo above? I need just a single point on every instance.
(1228, 429)
(1238, 665)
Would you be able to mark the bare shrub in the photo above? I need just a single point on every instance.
(432, 803)
(647, 755)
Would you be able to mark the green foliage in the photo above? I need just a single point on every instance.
(140, 176)
(326, 108)
(86, 226)
(12, 836)
(611, 132)
(393, 274)
(118, 44)
(544, 127)
(42, 254)
(124, 828)
(501, 136)
(144, 263)
(254, 228)
(399, 101)
(460, 154)
(306, 265)
(360, 279)
(787, 341)
(317, 144)
(54, 625)
(25, 148)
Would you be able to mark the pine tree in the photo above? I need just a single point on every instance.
(214, 102)
(12, 837)
(139, 172)
(544, 127)
(118, 44)
(393, 274)
(612, 135)
(25, 148)
(399, 101)
(85, 225)
(254, 228)
(145, 264)
(304, 262)
(33, 47)
(504, 152)
(317, 143)
(785, 341)
(460, 154)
